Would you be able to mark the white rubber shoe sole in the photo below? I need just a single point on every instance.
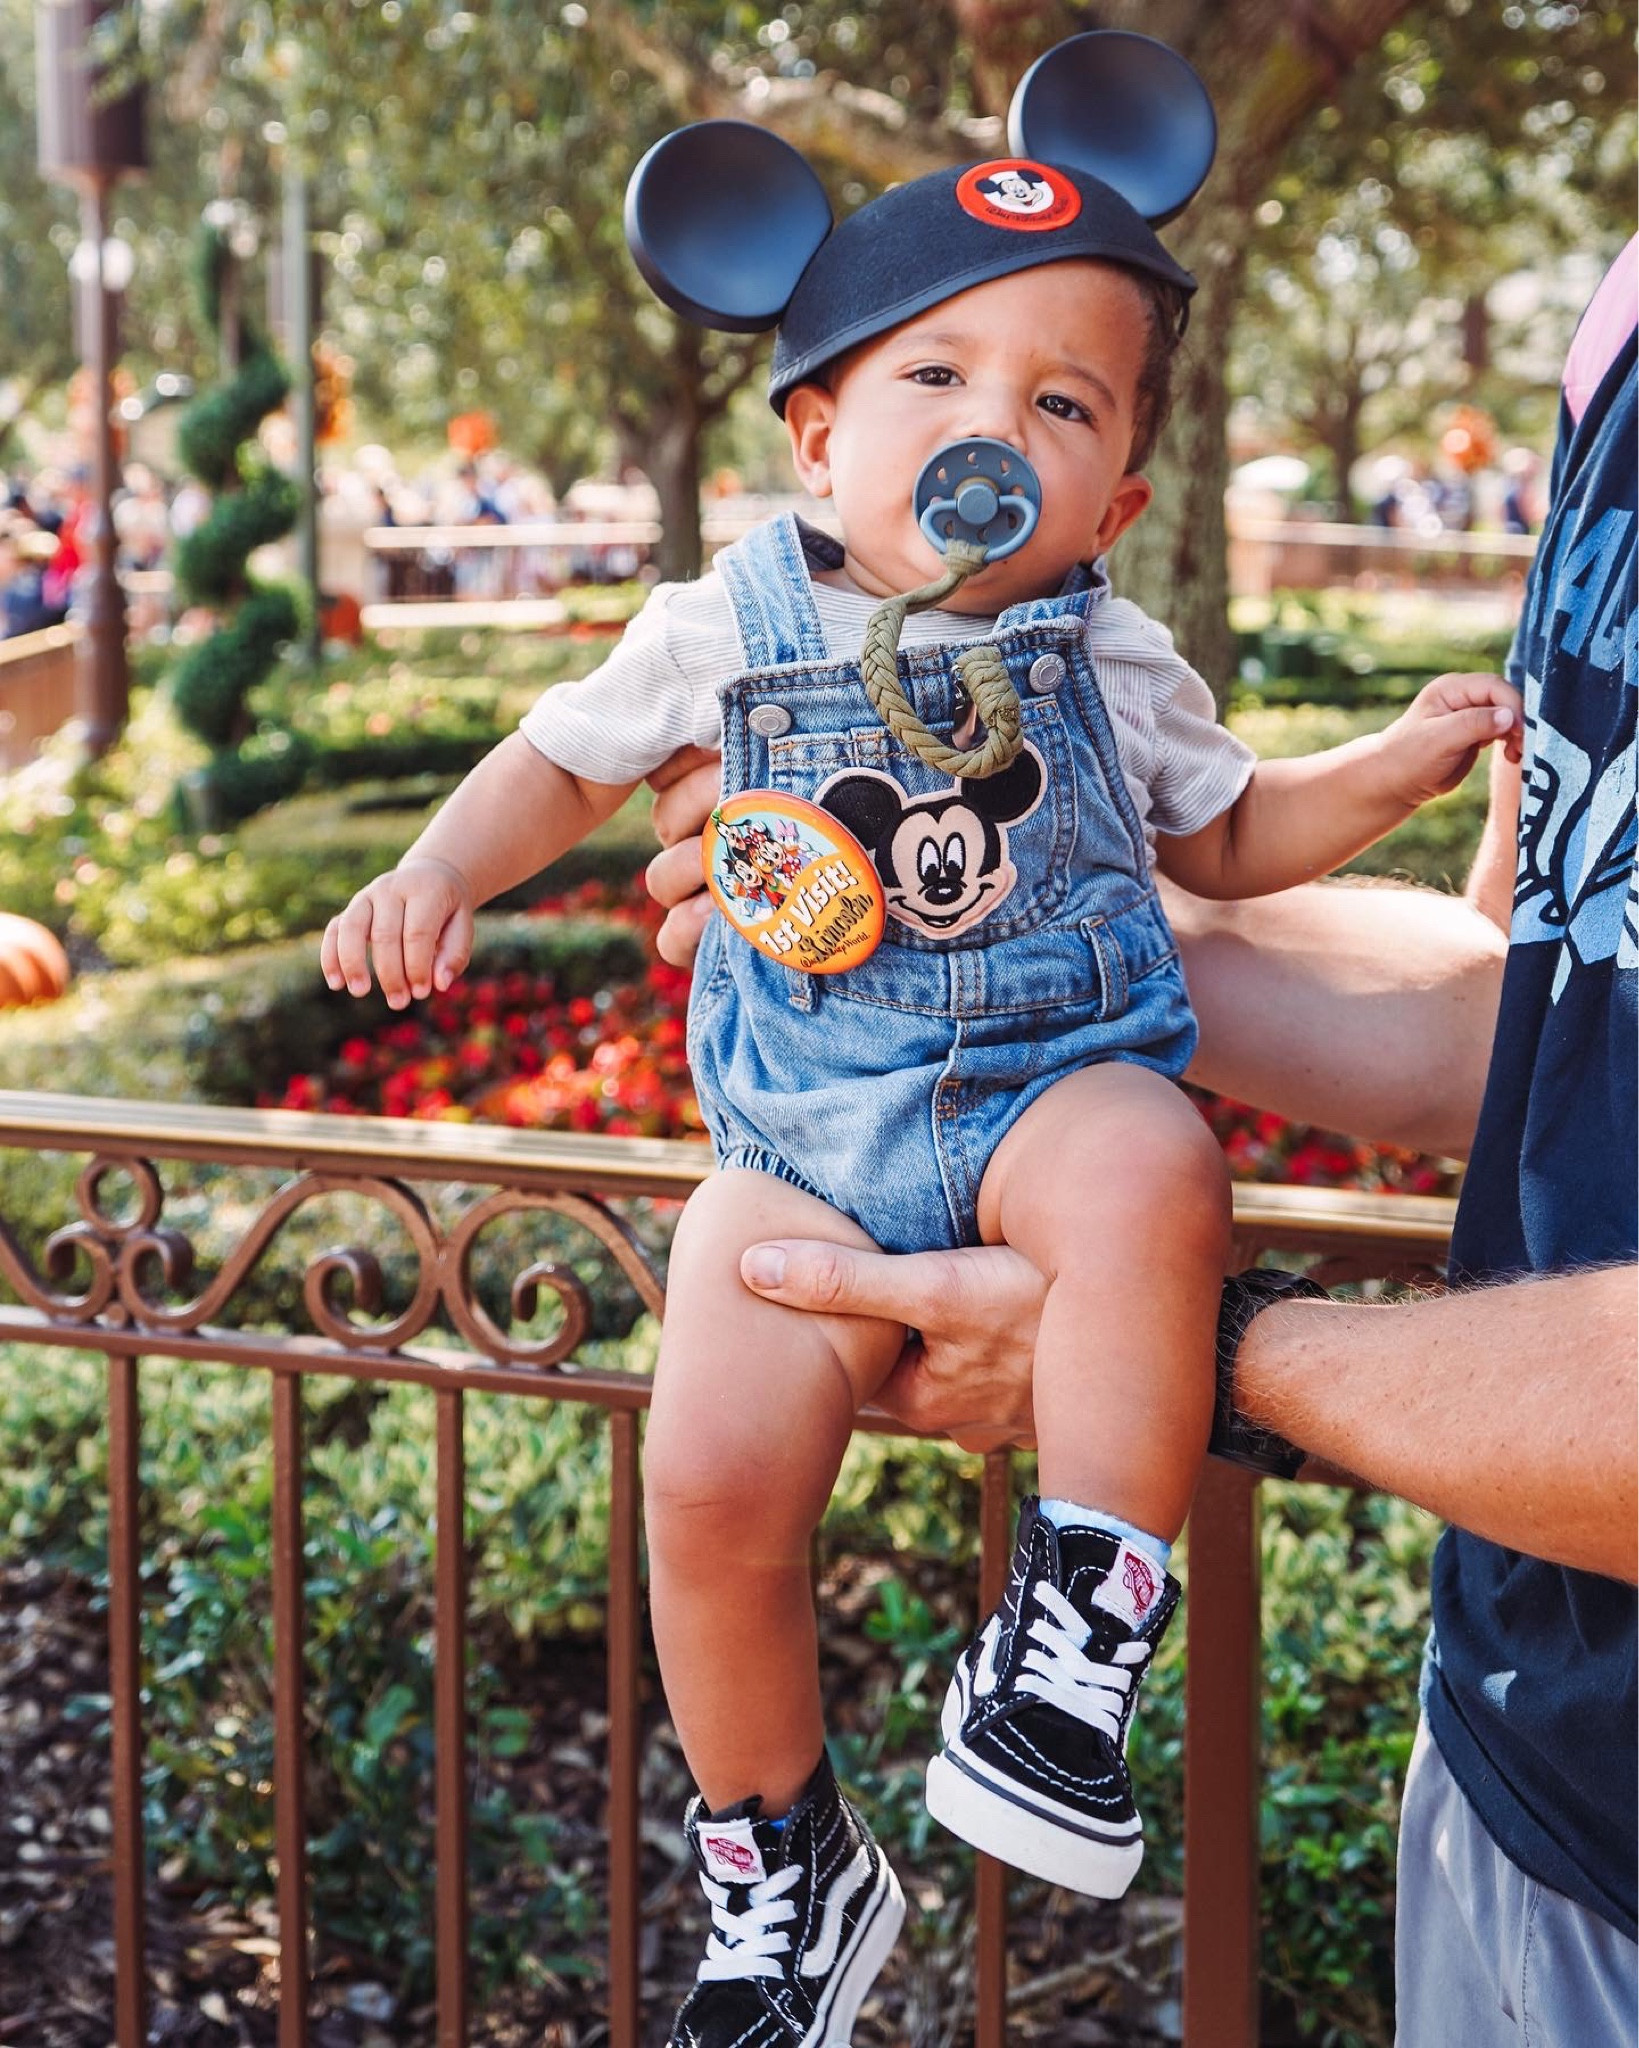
(1056, 1848)
(873, 1944)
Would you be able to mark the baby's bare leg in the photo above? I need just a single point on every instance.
(753, 1405)
(1113, 1186)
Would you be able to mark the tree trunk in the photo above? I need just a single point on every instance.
(1268, 66)
(669, 457)
(1343, 444)
(1174, 561)
(1476, 334)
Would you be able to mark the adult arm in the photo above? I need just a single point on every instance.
(1490, 885)
(685, 788)
(1359, 1006)
(1508, 1410)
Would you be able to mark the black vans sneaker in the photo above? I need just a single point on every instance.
(803, 1917)
(1035, 1723)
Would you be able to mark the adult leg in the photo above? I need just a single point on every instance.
(753, 1406)
(1484, 1954)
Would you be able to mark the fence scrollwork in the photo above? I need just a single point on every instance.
(136, 1265)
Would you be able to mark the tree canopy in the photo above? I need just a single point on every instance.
(1377, 158)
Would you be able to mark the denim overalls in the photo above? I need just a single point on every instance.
(885, 1089)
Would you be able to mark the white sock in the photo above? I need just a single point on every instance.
(1066, 1514)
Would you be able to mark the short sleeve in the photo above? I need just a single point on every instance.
(1200, 766)
(654, 694)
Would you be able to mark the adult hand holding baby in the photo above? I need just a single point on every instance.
(685, 788)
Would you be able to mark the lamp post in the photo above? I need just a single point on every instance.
(89, 141)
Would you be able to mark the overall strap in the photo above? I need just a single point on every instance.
(1085, 587)
(765, 573)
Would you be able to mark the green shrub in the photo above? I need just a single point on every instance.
(253, 504)
(94, 851)
(224, 1030)
(1348, 648)
(368, 1566)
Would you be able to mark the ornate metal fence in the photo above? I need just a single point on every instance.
(122, 1282)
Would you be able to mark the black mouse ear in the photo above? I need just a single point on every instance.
(867, 803)
(1123, 107)
(1010, 793)
(722, 218)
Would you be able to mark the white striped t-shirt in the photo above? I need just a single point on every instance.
(658, 692)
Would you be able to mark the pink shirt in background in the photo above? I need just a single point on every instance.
(1611, 317)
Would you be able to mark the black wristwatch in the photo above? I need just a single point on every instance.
(1235, 1436)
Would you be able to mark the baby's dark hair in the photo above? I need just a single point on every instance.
(1164, 306)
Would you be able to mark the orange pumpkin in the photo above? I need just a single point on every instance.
(33, 967)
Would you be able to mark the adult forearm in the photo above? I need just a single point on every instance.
(512, 816)
(1508, 1410)
(1365, 1008)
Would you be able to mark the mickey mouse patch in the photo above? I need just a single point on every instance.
(1016, 193)
(943, 860)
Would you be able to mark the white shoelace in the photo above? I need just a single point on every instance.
(747, 1944)
(1056, 1670)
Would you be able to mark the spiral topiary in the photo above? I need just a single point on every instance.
(254, 504)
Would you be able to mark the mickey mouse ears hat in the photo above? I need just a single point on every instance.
(1111, 132)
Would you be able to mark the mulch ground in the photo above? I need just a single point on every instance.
(1083, 1975)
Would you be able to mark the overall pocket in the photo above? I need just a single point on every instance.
(963, 863)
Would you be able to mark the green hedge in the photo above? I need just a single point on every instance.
(94, 852)
(223, 1030)
(1339, 647)
(228, 1029)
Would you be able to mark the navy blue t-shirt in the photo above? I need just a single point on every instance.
(1531, 1693)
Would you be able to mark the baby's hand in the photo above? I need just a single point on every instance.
(417, 921)
(1436, 740)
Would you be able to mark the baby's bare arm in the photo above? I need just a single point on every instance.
(1299, 819)
(511, 817)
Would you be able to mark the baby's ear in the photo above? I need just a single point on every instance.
(722, 219)
(1124, 108)
(810, 410)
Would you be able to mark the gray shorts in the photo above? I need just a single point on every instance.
(1486, 1957)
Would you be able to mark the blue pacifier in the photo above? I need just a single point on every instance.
(979, 491)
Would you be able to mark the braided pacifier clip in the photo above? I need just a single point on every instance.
(976, 501)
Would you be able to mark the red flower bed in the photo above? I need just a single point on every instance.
(1262, 1146)
(513, 1050)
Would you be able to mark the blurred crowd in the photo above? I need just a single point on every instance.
(371, 505)
(1504, 495)
(45, 537)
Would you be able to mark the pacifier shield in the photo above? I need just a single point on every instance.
(793, 881)
(980, 491)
